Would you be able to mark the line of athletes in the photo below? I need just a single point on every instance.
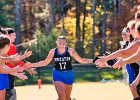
(63, 75)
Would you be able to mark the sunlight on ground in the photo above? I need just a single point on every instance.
(81, 91)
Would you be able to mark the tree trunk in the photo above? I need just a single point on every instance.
(83, 32)
(52, 12)
(78, 44)
(119, 8)
(93, 29)
(31, 19)
(78, 19)
(62, 14)
(103, 45)
(25, 20)
(18, 21)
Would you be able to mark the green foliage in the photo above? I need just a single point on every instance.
(108, 5)
(42, 46)
(6, 13)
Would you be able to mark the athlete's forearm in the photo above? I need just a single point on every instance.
(13, 73)
(117, 54)
(40, 64)
(9, 58)
(113, 55)
(124, 53)
(134, 58)
(87, 61)
(4, 70)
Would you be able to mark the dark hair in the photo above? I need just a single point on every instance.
(137, 15)
(125, 45)
(131, 38)
(4, 40)
(138, 26)
(3, 31)
(131, 24)
(126, 30)
(10, 30)
(62, 37)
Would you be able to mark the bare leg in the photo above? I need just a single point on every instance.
(134, 92)
(60, 88)
(68, 91)
(2, 94)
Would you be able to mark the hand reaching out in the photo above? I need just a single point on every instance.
(18, 69)
(101, 62)
(27, 54)
(27, 65)
(21, 76)
(118, 64)
(32, 71)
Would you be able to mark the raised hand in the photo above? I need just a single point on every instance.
(27, 54)
(32, 71)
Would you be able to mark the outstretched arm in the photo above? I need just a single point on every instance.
(124, 53)
(43, 62)
(5, 69)
(134, 58)
(21, 76)
(78, 58)
(31, 71)
(10, 58)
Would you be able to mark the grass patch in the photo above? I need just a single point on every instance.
(81, 74)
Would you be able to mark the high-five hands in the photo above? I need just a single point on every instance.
(119, 64)
(101, 62)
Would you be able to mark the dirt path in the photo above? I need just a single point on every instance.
(81, 91)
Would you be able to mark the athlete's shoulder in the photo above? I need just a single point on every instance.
(52, 50)
(70, 49)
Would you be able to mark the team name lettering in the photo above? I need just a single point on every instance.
(62, 59)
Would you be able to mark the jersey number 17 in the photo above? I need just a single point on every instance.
(62, 65)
